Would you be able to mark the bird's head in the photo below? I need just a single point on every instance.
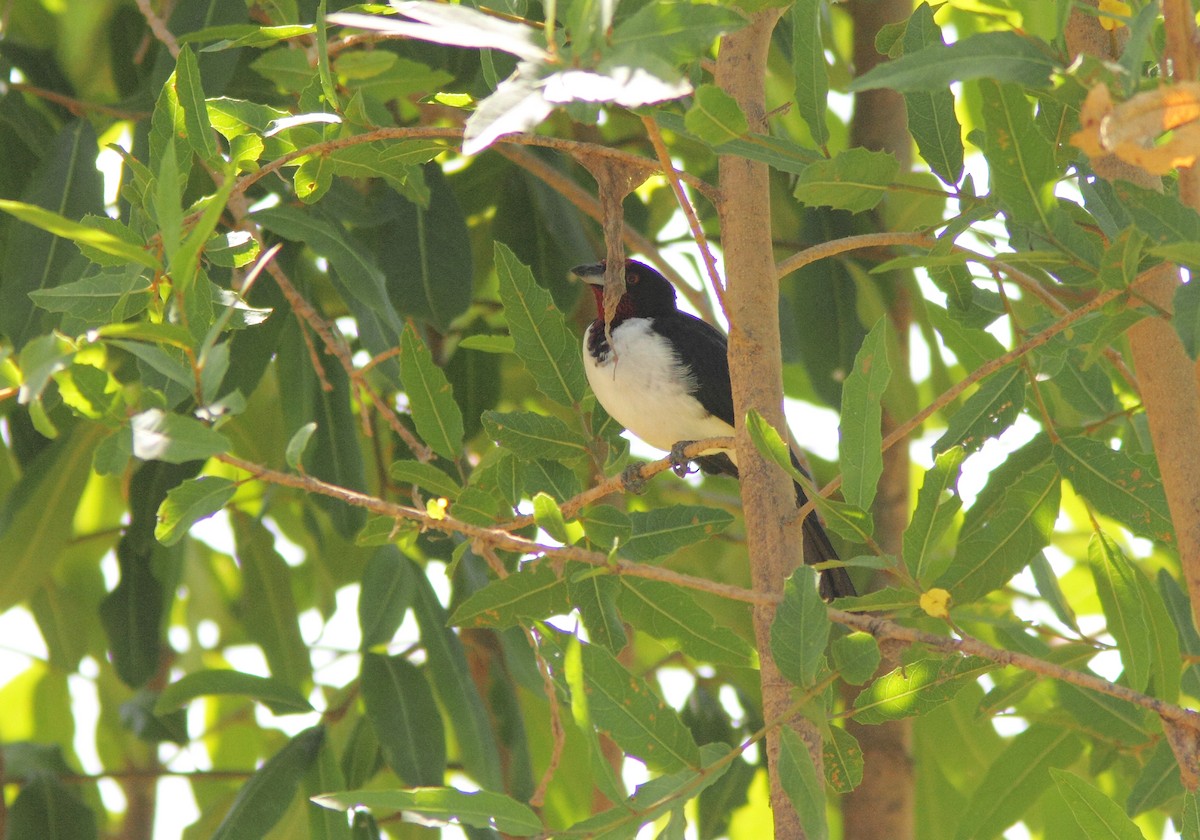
(647, 293)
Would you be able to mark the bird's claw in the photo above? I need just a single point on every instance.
(631, 477)
(681, 465)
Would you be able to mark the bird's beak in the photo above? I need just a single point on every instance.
(593, 273)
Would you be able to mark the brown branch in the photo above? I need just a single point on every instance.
(159, 27)
(77, 106)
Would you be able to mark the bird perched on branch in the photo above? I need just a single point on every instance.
(665, 377)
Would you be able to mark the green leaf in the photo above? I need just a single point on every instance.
(1010, 522)
(798, 776)
(668, 613)
(159, 436)
(987, 413)
(625, 707)
(1097, 815)
(862, 414)
(424, 475)
(190, 503)
(266, 797)
(550, 351)
(47, 809)
(843, 760)
(385, 595)
(854, 180)
(549, 517)
(270, 615)
(1124, 486)
(437, 416)
(1020, 159)
(451, 676)
(276, 696)
(811, 73)
(1191, 816)
(843, 519)
(1157, 784)
(657, 533)
(406, 718)
(715, 116)
(531, 435)
(800, 630)
(595, 596)
(676, 30)
(1120, 594)
(92, 236)
(1165, 657)
(938, 504)
(37, 520)
(532, 593)
(195, 111)
(489, 343)
(1002, 56)
(480, 809)
(1016, 779)
(98, 298)
(67, 184)
(931, 118)
(1186, 317)
(856, 656)
(297, 444)
(917, 687)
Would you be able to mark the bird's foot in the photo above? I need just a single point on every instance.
(631, 477)
(680, 463)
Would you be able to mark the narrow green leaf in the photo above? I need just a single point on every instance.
(159, 436)
(385, 595)
(1165, 659)
(627, 709)
(79, 232)
(1121, 599)
(195, 111)
(276, 696)
(1016, 779)
(406, 718)
(667, 613)
(531, 435)
(294, 453)
(1124, 486)
(480, 809)
(1097, 815)
(1191, 816)
(97, 299)
(1105, 717)
(550, 352)
(801, 628)
(450, 674)
(679, 30)
(854, 180)
(917, 687)
(270, 615)
(489, 343)
(190, 503)
(931, 118)
(987, 413)
(1157, 784)
(1186, 317)
(811, 73)
(843, 760)
(938, 503)
(1179, 609)
(1003, 56)
(595, 596)
(798, 776)
(532, 593)
(268, 794)
(715, 116)
(437, 416)
(862, 413)
(37, 520)
(1020, 159)
(549, 517)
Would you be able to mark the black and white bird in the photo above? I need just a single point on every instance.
(665, 378)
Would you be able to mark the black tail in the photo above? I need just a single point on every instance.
(835, 583)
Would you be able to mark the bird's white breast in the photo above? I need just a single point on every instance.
(644, 387)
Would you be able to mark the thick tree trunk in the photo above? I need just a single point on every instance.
(881, 808)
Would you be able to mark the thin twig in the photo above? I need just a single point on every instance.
(159, 27)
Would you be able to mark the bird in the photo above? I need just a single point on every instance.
(665, 377)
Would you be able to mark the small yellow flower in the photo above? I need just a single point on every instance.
(936, 602)
(436, 508)
(1108, 8)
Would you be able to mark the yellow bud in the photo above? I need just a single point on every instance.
(936, 602)
(436, 508)
(1113, 7)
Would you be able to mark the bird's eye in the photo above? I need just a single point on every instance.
(631, 279)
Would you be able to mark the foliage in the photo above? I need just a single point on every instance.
(329, 306)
